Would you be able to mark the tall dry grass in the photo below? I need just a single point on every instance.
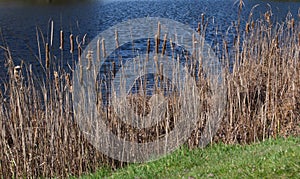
(39, 136)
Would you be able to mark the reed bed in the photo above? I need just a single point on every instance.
(39, 137)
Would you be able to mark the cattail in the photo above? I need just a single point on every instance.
(47, 56)
(172, 46)
(164, 45)
(157, 37)
(247, 28)
(194, 42)
(299, 39)
(199, 28)
(17, 71)
(148, 46)
(161, 70)
(292, 23)
(113, 69)
(79, 53)
(61, 47)
(268, 17)
(89, 58)
(225, 46)
(103, 48)
(98, 51)
(56, 80)
(71, 43)
(252, 25)
(68, 82)
(156, 44)
(158, 29)
(52, 31)
(117, 38)
(202, 18)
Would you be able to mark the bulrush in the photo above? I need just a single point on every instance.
(47, 56)
(71, 43)
(61, 47)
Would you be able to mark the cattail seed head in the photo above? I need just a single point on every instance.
(47, 56)
(199, 28)
(68, 82)
(202, 18)
(17, 72)
(61, 47)
(252, 24)
(79, 53)
(164, 45)
(268, 17)
(247, 28)
(71, 43)
(157, 37)
(56, 80)
(103, 48)
(292, 23)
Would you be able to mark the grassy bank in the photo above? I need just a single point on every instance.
(274, 158)
(40, 138)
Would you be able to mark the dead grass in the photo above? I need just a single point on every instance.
(40, 138)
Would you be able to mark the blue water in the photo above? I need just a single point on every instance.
(20, 23)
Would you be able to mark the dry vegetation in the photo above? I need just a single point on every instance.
(40, 138)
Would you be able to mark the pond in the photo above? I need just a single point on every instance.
(21, 22)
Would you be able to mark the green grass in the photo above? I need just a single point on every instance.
(278, 158)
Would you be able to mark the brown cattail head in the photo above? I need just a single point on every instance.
(61, 47)
(247, 28)
(161, 71)
(148, 46)
(268, 17)
(71, 43)
(199, 28)
(156, 43)
(158, 29)
(114, 69)
(68, 82)
(252, 24)
(292, 23)
(56, 80)
(47, 56)
(164, 45)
